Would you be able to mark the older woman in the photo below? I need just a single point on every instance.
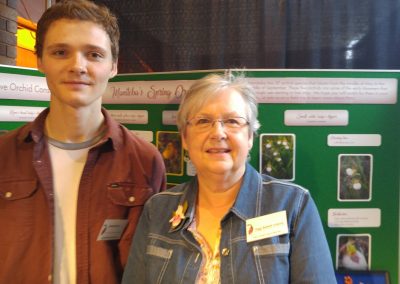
(229, 224)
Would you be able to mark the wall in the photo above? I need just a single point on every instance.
(8, 29)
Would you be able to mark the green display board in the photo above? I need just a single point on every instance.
(335, 132)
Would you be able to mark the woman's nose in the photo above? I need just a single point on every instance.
(217, 129)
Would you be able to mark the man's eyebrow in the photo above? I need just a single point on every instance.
(57, 45)
(96, 47)
(87, 46)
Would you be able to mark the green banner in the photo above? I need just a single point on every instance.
(335, 132)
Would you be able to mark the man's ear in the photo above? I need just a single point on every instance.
(114, 69)
(39, 64)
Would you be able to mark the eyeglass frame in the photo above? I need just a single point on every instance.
(222, 121)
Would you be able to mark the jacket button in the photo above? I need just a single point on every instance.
(131, 199)
(8, 194)
(225, 252)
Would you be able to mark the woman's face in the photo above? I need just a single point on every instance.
(219, 150)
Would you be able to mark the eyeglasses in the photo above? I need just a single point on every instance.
(229, 123)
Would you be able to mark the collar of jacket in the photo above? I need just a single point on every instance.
(35, 130)
(246, 203)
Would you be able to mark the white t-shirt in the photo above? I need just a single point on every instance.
(67, 167)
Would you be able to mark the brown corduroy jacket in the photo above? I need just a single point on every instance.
(120, 174)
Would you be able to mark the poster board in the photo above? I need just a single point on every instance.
(342, 129)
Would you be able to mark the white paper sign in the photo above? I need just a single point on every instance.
(354, 218)
(146, 92)
(266, 226)
(316, 117)
(23, 87)
(289, 90)
(112, 229)
(169, 117)
(19, 113)
(346, 140)
(326, 90)
(144, 134)
(130, 116)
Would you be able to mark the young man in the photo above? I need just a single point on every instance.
(73, 182)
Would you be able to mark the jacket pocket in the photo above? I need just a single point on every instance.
(276, 258)
(16, 209)
(16, 190)
(128, 194)
(158, 262)
(126, 200)
(271, 249)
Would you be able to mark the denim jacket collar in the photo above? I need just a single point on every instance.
(248, 199)
(190, 195)
(252, 181)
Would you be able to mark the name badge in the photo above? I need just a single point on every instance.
(266, 226)
(112, 229)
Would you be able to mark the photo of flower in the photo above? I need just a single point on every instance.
(277, 155)
(354, 177)
(170, 146)
(353, 252)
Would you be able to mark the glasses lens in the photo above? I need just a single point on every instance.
(202, 121)
(230, 123)
(234, 122)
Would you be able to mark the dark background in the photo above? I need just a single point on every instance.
(178, 35)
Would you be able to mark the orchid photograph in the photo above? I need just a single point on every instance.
(354, 177)
(278, 155)
(170, 146)
(353, 252)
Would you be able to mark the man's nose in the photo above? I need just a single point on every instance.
(78, 64)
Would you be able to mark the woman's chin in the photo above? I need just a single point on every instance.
(222, 168)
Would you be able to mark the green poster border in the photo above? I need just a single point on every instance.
(316, 163)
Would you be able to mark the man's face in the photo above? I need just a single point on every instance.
(77, 62)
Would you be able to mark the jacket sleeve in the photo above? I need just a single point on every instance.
(159, 180)
(136, 266)
(310, 259)
(148, 169)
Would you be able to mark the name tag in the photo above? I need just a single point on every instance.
(112, 229)
(266, 226)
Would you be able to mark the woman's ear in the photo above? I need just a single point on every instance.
(251, 140)
(184, 144)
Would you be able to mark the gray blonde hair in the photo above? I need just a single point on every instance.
(207, 87)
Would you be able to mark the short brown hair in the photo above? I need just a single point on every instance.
(83, 10)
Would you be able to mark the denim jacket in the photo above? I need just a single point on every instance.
(161, 254)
